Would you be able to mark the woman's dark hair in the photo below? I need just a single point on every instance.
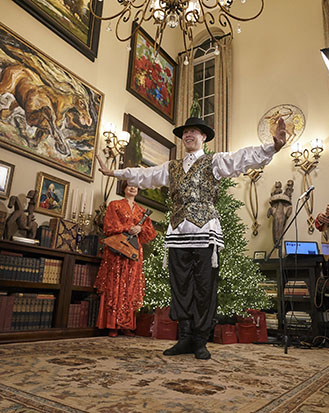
(124, 185)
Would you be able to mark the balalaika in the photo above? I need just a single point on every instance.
(126, 244)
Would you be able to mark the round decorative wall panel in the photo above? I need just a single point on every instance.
(293, 117)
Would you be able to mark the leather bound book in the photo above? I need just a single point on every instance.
(64, 234)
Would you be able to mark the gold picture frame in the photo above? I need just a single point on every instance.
(6, 178)
(52, 195)
(49, 114)
(259, 255)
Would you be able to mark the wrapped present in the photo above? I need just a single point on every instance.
(225, 334)
(246, 332)
(164, 327)
(144, 324)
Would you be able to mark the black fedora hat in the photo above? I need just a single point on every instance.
(199, 123)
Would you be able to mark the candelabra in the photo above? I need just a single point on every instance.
(82, 220)
(254, 175)
(306, 164)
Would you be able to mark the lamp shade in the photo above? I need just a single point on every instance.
(325, 56)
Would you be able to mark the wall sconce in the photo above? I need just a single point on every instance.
(254, 175)
(302, 160)
(114, 154)
(115, 144)
(114, 151)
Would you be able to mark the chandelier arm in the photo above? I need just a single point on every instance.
(211, 21)
(158, 36)
(182, 25)
(93, 12)
(226, 11)
(224, 22)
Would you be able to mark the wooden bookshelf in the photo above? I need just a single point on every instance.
(306, 268)
(64, 291)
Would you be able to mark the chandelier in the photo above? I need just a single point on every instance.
(185, 14)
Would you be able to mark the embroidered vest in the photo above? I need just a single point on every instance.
(195, 193)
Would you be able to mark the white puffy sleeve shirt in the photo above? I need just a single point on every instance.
(225, 164)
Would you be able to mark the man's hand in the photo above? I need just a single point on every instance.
(103, 168)
(280, 135)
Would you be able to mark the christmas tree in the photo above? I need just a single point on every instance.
(240, 276)
(157, 292)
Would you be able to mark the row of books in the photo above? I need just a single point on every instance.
(298, 319)
(296, 288)
(272, 321)
(85, 274)
(83, 314)
(31, 269)
(44, 235)
(26, 311)
(271, 288)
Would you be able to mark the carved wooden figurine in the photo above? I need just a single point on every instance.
(280, 208)
(18, 220)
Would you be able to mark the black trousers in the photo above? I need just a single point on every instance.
(193, 287)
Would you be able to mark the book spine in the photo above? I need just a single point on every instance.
(3, 302)
(41, 269)
(8, 312)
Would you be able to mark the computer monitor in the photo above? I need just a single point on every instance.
(325, 248)
(302, 247)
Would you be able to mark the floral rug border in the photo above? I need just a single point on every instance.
(294, 397)
(36, 402)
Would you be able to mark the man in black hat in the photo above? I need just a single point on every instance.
(194, 234)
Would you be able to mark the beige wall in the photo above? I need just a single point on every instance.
(276, 61)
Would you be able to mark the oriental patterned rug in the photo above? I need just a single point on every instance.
(130, 375)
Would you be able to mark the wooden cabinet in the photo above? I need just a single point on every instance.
(294, 304)
(65, 290)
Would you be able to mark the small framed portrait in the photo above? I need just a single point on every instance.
(6, 178)
(259, 255)
(52, 195)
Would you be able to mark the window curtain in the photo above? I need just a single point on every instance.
(325, 12)
(223, 92)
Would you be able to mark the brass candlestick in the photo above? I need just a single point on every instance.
(83, 220)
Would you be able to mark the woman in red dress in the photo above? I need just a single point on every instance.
(120, 281)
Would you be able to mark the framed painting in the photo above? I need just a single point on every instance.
(146, 148)
(52, 195)
(152, 79)
(6, 178)
(71, 20)
(47, 113)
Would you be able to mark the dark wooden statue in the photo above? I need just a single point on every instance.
(280, 207)
(18, 220)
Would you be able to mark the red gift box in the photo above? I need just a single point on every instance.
(144, 323)
(164, 327)
(225, 334)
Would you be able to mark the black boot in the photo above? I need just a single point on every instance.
(185, 342)
(200, 350)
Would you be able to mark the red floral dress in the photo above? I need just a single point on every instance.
(120, 281)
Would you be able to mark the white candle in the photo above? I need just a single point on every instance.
(91, 202)
(75, 195)
(83, 201)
